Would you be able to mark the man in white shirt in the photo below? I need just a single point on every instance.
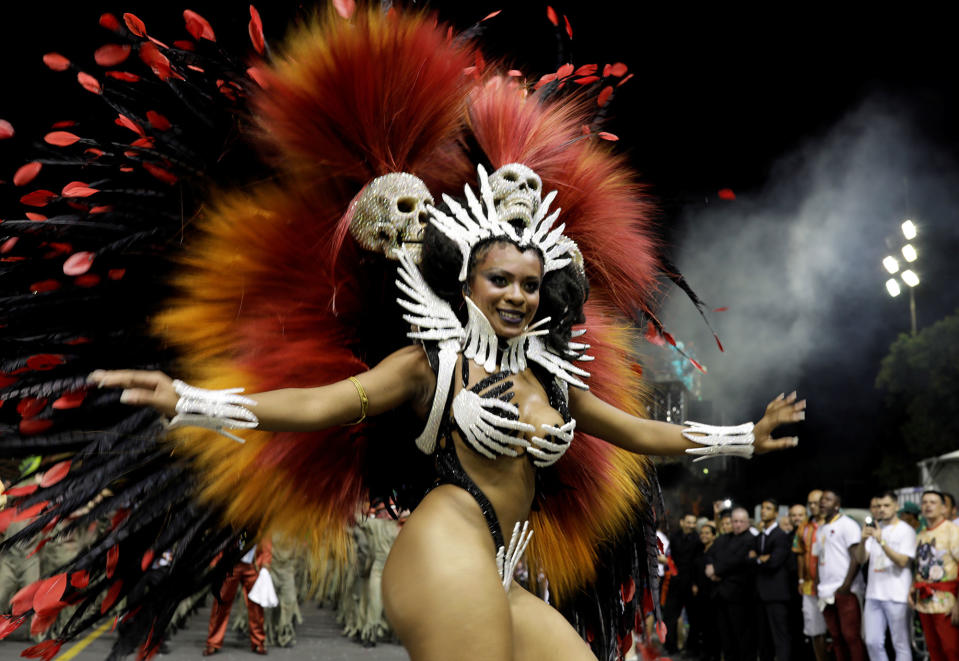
(889, 546)
(839, 579)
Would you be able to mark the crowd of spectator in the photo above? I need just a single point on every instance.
(808, 581)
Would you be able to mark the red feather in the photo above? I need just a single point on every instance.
(111, 55)
(551, 15)
(48, 594)
(77, 189)
(489, 16)
(345, 8)
(24, 490)
(569, 28)
(113, 556)
(26, 173)
(603, 97)
(44, 285)
(256, 30)
(608, 136)
(28, 407)
(6, 129)
(146, 559)
(197, 26)
(56, 62)
(56, 473)
(60, 138)
(162, 174)
(45, 361)
(726, 194)
(125, 76)
(9, 624)
(661, 631)
(628, 590)
(80, 579)
(22, 601)
(45, 650)
(38, 198)
(38, 217)
(158, 121)
(110, 22)
(135, 25)
(34, 426)
(87, 280)
(111, 596)
(126, 122)
(156, 60)
(718, 343)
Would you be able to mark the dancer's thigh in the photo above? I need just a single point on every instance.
(541, 632)
(441, 590)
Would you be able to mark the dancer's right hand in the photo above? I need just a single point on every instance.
(140, 388)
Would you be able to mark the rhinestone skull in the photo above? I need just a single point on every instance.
(517, 192)
(391, 213)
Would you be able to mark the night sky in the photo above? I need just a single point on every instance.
(844, 122)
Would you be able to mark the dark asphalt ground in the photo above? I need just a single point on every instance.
(318, 639)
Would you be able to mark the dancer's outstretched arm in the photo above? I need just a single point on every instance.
(597, 418)
(399, 378)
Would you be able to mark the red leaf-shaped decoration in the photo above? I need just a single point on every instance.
(156, 60)
(22, 490)
(110, 55)
(551, 15)
(29, 407)
(102, 208)
(603, 97)
(587, 70)
(126, 122)
(45, 650)
(726, 194)
(49, 592)
(620, 83)
(22, 601)
(628, 590)
(80, 579)
(36, 217)
(146, 559)
(41, 622)
(26, 173)
(586, 80)
(612, 137)
(44, 286)
(60, 138)
(669, 338)
(489, 16)
(38, 198)
(45, 361)
(345, 8)
(57, 248)
(70, 400)
(118, 517)
(718, 343)
(197, 26)
(116, 274)
(698, 366)
(184, 44)
(34, 426)
(55, 473)
(158, 121)
(515, 73)
(146, 143)
(56, 62)
(6, 129)
(109, 21)
(113, 556)
(87, 280)
(125, 76)
(77, 189)
(653, 336)
(256, 30)
(163, 175)
(722, 309)
(258, 76)
(62, 124)
(8, 245)
(618, 69)
(569, 28)
(565, 70)
(661, 631)
(9, 624)
(111, 597)
(135, 25)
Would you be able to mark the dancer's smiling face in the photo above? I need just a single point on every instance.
(504, 285)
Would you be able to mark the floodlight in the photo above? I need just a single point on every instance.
(910, 278)
(891, 264)
(909, 230)
(909, 252)
(892, 287)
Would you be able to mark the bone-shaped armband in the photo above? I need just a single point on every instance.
(736, 441)
(508, 558)
(552, 445)
(213, 409)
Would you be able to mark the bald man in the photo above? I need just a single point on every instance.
(814, 624)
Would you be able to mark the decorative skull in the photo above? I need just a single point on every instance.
(391, 213)
(517, 192)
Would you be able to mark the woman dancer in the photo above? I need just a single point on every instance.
(510, 416)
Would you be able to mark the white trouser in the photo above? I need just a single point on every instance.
(877, 614)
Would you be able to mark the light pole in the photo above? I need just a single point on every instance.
(908, 275)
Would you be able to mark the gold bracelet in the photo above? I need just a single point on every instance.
(364, 401)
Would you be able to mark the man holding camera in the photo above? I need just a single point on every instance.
(889, 545)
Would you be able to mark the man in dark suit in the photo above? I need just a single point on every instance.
(772, 584)
(684, 548)
(729, 565)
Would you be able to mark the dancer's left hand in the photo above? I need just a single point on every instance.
(782, 410)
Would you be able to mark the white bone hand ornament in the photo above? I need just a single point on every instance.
(507, 559)
(553, 444)
(213, 409)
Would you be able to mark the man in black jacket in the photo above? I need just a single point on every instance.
(772, 583)
(684, 548)
(729, 564)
